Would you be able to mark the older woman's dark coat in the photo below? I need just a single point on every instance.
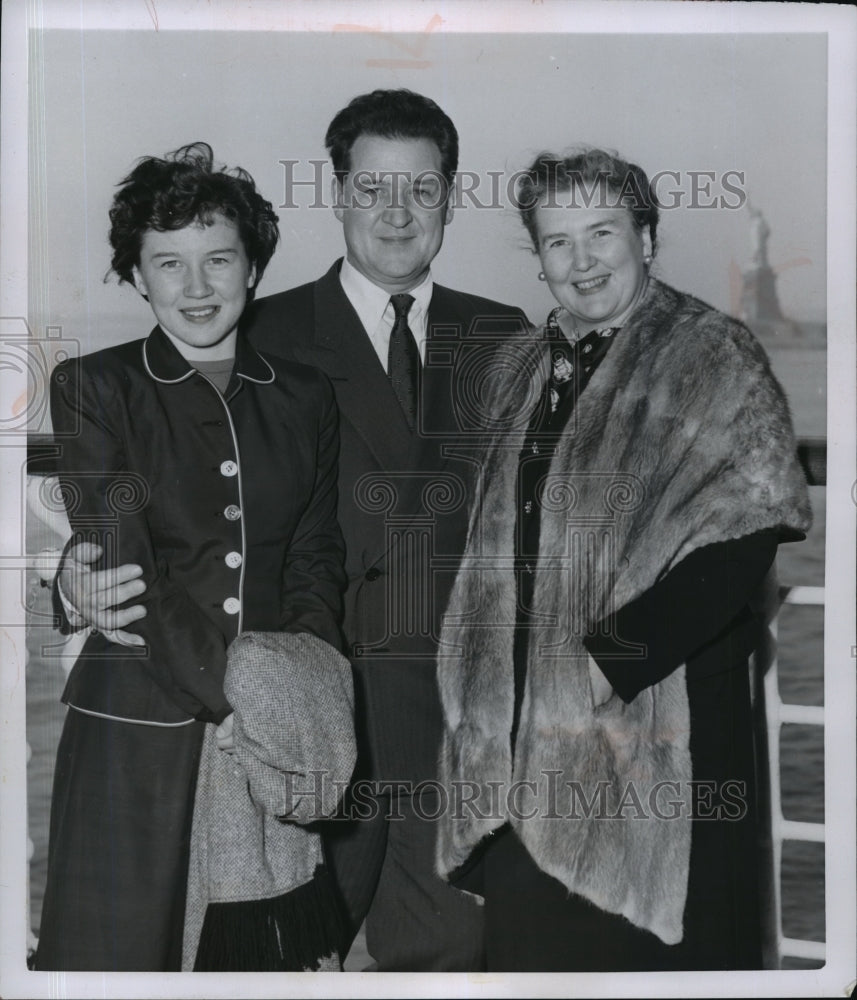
(666, 492)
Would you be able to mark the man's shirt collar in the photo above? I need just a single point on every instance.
(371, 303)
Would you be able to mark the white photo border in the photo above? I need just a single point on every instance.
(19, 115)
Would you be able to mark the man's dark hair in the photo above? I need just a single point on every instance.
(184, 188)
(392, 114)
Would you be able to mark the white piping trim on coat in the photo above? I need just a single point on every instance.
(136, 722)
(173, 381)
(260, 381)
(165, 381)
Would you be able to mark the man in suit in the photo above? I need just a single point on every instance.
(388, 338)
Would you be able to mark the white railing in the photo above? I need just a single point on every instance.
(779, 713)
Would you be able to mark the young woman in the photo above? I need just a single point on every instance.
(213, 468)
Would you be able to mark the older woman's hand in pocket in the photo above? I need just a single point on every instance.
(602, 689)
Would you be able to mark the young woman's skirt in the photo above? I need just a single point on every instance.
(119, 842)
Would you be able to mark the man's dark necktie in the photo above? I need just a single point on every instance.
(403, 359)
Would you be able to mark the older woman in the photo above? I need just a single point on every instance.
(641, 471)
(213, 468)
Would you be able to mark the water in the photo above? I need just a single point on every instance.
(45, 715)
(802, 373)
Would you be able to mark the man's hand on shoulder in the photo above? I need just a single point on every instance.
(93, 595)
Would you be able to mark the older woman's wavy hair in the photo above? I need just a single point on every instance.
(184, 188)
(590, 169)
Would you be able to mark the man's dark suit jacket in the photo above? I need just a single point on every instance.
(403, 497)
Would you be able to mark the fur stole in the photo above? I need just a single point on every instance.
(681, 439)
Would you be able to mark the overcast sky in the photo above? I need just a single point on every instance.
(724, 106)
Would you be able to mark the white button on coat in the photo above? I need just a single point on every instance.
(228, 468)
(234, 560)
(232, 513)
(232, 605)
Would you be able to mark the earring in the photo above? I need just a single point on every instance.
(647, 259)
(541, 275)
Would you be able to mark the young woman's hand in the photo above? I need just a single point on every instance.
(223, 733)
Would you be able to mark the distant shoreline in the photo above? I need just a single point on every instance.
(790, 333)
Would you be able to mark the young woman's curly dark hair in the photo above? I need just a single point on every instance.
(184, 188)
